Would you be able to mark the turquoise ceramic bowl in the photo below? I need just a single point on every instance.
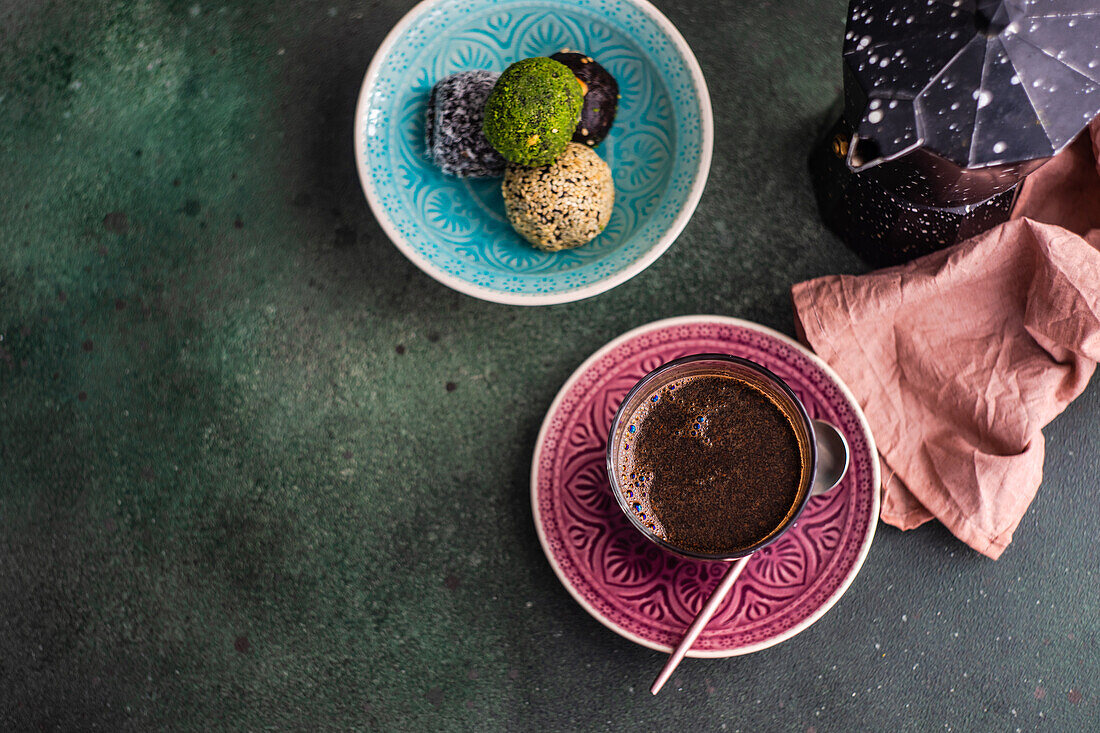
(455, 230)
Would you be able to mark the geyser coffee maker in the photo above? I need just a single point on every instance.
(948, 104)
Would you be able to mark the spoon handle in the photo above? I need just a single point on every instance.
(699, 623)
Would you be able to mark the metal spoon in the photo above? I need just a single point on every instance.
(832, 464)
(832, 457)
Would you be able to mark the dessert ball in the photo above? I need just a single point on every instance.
(453, 133)
(601, 97)
(532, 111)
(561, 205)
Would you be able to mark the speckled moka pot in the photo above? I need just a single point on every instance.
(947, 107)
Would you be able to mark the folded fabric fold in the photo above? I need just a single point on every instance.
(959, 359)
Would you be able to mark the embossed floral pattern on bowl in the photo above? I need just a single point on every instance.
(455, 230)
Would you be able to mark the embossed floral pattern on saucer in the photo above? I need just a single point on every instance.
(649, 595)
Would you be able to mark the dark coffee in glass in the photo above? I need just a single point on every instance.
(712, 457)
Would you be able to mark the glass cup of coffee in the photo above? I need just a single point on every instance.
(713, 456)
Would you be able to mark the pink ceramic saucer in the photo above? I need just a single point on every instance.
(650, 596)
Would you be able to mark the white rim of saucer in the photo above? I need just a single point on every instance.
(726, 320)
(702, 170)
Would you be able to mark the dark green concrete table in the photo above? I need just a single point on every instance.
(258, 472)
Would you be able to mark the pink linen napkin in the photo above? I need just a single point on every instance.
(959, 359)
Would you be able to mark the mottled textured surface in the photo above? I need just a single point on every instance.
(259, 471)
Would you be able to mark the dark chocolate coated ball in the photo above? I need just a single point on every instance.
(601, 97)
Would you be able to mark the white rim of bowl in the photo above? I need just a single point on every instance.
(702, 170)
(876, 477)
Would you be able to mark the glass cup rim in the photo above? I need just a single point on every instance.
(776, 382)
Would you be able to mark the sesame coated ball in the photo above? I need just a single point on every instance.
(561, 205)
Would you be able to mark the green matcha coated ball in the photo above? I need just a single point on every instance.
(532, 111)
